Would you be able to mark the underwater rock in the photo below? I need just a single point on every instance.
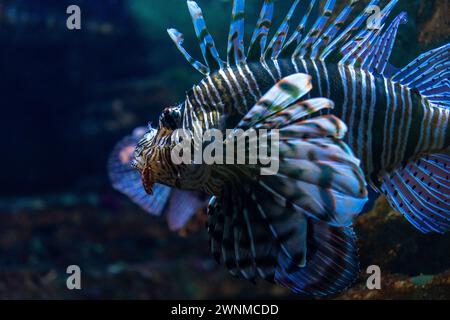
(438, 27)
(397, 286)
(387, 239)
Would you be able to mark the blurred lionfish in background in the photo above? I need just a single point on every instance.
(335, 98)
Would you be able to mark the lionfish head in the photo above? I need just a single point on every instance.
(152, 153)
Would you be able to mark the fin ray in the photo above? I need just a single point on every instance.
(282, 95)
(304, 48)
(332, 264)
(297, 35)
(207, 45)
(277, 42)
(429, 74)
(382, 58)
(420, 191)
(177, 38)
(333, 29)
(236, 54)
(258, 43)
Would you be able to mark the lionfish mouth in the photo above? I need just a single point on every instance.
(147, 180)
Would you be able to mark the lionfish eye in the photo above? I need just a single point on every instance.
(171, 118)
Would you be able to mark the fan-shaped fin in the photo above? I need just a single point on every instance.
(365, 38)
(383, 55)
(255, 253)
(421, 192)
(297, 111)
(424, 63)
(279, 226)
(332, 262)
(430, 75)
(349, 30)
(366, 56)
(365, 44)
(377, 55)
(182, 206)
(282, 95)
(312, 159)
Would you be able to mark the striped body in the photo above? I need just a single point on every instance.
(389, 124)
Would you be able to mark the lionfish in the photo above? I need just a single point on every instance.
(347, 119)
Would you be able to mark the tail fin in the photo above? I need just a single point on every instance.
(429, 74)
(421, 192)
(292, 227)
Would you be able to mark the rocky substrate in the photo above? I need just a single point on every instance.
(124, 253)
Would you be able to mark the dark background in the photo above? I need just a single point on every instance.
(67, 96)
